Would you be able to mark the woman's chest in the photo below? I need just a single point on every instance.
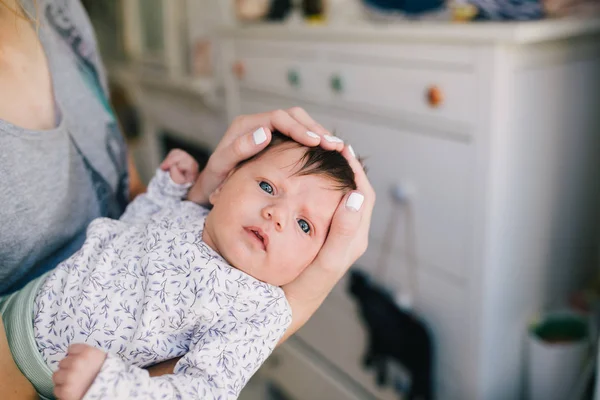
(25, 79)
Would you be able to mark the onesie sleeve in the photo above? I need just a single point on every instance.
(162, 192)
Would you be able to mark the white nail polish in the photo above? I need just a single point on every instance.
(333, 139)
(259, 136)
(351, 150)
(312, 134)
(355, 201)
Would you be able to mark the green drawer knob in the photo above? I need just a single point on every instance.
(336, 83)
(294, 78)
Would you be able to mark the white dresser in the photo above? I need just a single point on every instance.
(493, 130)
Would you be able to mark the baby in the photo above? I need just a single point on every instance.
(173, 279)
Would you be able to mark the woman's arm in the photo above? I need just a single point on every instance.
(13, 384)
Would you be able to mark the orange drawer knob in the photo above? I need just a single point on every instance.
(435, 96)
(239, 70)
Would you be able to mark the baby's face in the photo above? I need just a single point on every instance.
(269, 222)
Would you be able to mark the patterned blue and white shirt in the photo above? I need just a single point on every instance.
(146, 288)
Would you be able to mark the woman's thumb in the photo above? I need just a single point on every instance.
(344, 226)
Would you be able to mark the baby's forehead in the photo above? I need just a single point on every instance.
(286, 156)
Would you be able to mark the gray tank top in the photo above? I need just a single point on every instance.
(54, 182)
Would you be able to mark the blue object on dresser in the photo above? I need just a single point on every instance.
(515, 10)
(406, 6)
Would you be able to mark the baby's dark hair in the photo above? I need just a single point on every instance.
(316, 161)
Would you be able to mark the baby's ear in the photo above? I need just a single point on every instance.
(214, 196)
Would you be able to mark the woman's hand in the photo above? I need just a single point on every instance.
(249, 134)
(346, 242)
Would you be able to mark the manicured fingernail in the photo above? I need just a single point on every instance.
(355, 201)
(333, 139)
(351, 150)
(259, 136)
(312, 134)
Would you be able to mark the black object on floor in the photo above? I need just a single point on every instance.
(394, 335)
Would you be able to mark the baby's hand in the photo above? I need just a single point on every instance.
(182, 167)
(77, 371)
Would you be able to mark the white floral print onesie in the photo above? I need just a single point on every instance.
(145, 289)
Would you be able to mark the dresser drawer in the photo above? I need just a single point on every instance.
(291, 71)
(390, 81)
(432, 227)
(303, 376)
(403, 91)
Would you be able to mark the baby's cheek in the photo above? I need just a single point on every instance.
(296, 264)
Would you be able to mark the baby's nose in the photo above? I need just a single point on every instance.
(276, 214)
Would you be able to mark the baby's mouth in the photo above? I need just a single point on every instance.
(259, 234)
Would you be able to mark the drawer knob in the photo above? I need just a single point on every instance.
(238, 69)
(293, 78)
(336, 83)
(435, 96)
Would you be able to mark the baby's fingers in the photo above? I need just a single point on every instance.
(66, 392)
(77, 348)
(189, 168)
(67, 362)
(60, 377)
(177, 175)
(174, 156)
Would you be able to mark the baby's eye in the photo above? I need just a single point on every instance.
(304, 226)
(266, 187)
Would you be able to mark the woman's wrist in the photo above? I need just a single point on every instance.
(197, 193)
(307, 292)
